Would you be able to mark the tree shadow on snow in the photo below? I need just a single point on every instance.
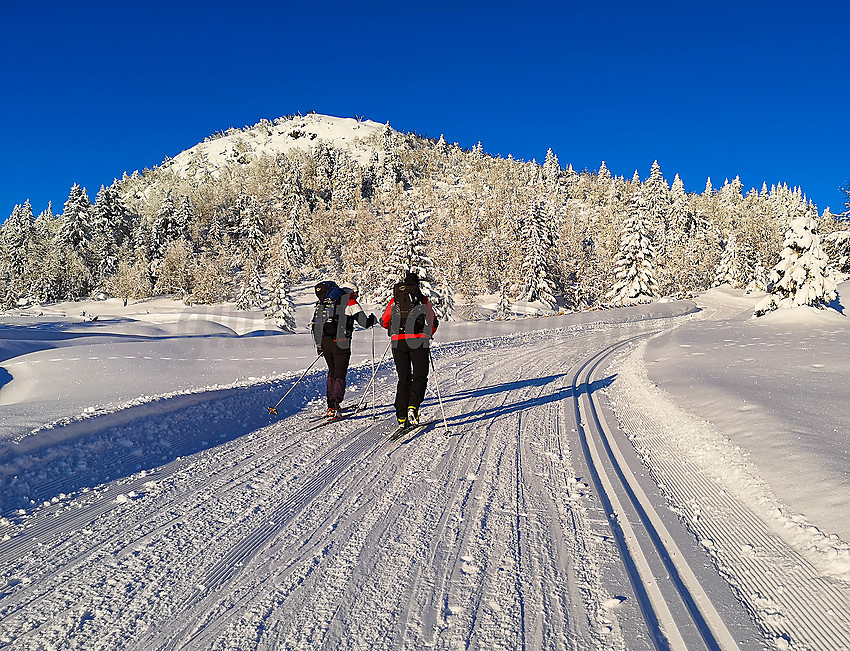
(72, 456)
(562, 393)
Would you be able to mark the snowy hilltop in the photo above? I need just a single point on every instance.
(281, 136)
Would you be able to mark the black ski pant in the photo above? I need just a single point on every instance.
(337, 359)
(411, 363)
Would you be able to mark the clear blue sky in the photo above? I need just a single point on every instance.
(756, 89)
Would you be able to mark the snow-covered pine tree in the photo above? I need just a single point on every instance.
(249, 226)
(634, 265)
(446, 306)
(391, 171)
(656, 193)
(75, 222)
(44, 257)
(164, 229)
(186, 217)
(15, 238)
(344, 182)
(281, 307)
(551, 169)
(109, 229)
(729, 269)
(538, 243)
(324, 160)
(410, 254)
(838, 244)
(503, 307)
(215, 233)
(109, 212)
(251, 294)
(681, 217)
(293, 242)
(802, 275)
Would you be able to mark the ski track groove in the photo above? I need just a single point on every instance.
(791, 601)
(663, 625)
(433, 594)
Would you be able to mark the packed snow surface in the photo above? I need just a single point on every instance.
(149, 500)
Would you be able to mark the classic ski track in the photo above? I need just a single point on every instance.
(785, 594)
(664, 626)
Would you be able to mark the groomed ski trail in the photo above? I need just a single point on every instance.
(286, 539)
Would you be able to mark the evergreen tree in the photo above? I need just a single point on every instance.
(249, 228)
(293, 242)
(346, 187)
(251, 294)
(75, 223)
(409, 254)
(802, 276)
(729, 271)
(503, 307)
(634, 266)
(838, 244)
(551, 168)
(165, 228)
(538, 243)
(324, 165)
(681, 218)
(656, 194)
(15, 239)
(185, 216)
(281, 307)
(110, 214)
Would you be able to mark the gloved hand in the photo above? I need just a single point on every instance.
(319, 350)
(372, 320)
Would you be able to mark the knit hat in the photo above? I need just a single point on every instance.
(323, 288)
(411, 278)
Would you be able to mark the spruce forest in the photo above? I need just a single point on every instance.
(249, 212)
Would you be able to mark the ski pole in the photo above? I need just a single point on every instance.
(273, 410)
(439, 397)
(374, 374)
(374, 397)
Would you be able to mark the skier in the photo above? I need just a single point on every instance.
(410, 321)
(333, 324)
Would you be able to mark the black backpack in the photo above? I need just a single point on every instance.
(408, 300)
(326, 315)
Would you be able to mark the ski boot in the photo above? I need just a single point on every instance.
(412, 415)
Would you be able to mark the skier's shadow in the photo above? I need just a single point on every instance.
(562, 393)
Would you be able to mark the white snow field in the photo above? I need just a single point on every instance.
(665, 476)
